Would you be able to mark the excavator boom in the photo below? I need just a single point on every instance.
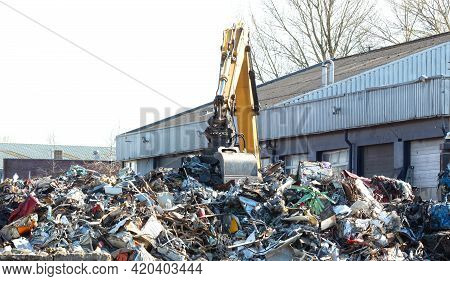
(232, 132)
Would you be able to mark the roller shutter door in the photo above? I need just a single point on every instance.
(170, 162)
(425, 160)
(144, 166)
(378, 160)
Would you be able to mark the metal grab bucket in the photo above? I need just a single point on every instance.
(236, 165)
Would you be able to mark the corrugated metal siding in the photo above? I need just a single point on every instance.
(45, 151)
(431, 62)
(365, 108)
(173, 140)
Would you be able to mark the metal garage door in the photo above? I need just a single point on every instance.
(425, 160)
(378, 160)
(170, 161)
(144, 166)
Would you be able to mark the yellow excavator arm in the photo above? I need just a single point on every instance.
(236, 104)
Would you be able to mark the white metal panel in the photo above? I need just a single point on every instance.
(292, 161)
(433, 61)
(339, 159)
(265, 162)
(156, 142)
(425, 160)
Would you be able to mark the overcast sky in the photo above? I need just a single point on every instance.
(48, 85)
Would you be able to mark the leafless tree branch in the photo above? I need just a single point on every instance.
(294, 34)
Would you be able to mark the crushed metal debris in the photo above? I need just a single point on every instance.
(186, 214)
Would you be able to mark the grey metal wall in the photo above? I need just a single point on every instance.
(173, 140)
(409, 101)
(431, 62)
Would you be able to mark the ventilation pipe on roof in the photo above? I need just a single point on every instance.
(327, 72)
(57, 154)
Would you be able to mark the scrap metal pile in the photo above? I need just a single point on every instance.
(176, 215)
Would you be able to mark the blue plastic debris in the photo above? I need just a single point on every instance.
(440, 216)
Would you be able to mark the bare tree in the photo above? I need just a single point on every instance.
(402, 27)
(266, 62)
(433, 15)
(413, 19)
(297, 33)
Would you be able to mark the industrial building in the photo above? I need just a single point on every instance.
(382, 112)
(31, 160)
